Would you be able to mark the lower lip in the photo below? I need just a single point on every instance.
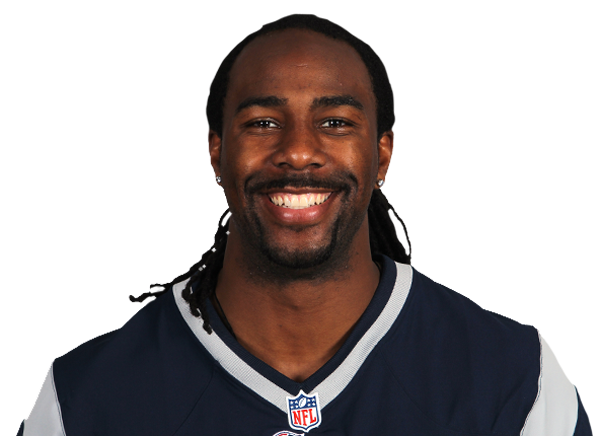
(308, 215)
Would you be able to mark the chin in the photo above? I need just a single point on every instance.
(299, 259)
(326, 253)
(315, 263)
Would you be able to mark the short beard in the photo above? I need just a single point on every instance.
(271, 263)
(298, 259)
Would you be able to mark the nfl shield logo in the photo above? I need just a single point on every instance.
(304, 411)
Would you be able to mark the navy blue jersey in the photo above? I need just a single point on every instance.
(422, 360)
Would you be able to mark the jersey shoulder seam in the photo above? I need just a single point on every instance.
(437, 424)
(537, 397)
(212, 375)
(62, 424)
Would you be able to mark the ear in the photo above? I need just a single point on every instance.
(384, 148)
(214, 149)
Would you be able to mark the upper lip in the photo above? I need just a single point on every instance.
(298, 191)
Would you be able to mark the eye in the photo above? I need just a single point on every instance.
(264, 124)
(334, 123)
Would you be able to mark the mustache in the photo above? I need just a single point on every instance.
(343, 181)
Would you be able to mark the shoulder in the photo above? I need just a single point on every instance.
(469, 368)
(557, 409)
(152, 367)
(441, 325)
(45, 418)
(156, 325)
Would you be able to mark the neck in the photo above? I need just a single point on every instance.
(296, 325)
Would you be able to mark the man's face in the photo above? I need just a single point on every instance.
(299, 155)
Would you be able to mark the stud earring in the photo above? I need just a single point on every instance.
(218, 179)
(380, 183)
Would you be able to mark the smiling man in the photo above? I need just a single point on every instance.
(305, 315)
(298, 155)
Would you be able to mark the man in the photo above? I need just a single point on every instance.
(305, 315)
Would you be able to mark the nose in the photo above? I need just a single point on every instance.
(299, 149)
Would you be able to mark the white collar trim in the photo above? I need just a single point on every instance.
(333, 385)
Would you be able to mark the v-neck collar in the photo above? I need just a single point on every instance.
(331, 379)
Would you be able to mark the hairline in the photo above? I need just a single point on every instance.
(302, 29)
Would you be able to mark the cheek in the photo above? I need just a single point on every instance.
(238, 163)
(370, 171)
(365, 164)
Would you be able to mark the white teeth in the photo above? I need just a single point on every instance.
(299, 201)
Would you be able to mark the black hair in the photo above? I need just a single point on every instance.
(379, 78)
(382, 233)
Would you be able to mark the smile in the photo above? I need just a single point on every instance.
(302, 201)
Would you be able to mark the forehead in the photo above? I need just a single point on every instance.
(298, 60)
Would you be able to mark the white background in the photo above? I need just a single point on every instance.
(30, 149)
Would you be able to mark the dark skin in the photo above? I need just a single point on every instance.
(299, 108)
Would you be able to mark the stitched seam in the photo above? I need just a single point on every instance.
(539, 387)
(212, 375)
(62, 424)
(437, 424)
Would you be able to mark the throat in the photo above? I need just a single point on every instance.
(217, 305)
(293, 323)
(295, 331)
(296, 348)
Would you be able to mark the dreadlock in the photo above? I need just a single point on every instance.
(203, 274)
(382, 233)
(202, 277)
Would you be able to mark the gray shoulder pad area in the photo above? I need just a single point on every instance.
(554, 412)
(45, 418)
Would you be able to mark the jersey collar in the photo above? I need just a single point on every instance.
(333, 377)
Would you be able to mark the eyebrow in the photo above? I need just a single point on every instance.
(319, 102)
(336, 100)
(268, 101)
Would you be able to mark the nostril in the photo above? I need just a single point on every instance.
(299, 156)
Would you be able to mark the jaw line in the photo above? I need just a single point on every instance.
(279, 265)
